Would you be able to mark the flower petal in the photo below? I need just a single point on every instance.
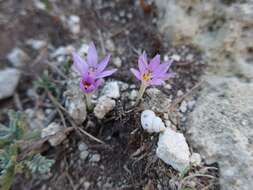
(156, 81)
(167, 76)
(79, 64)
(154, 62)
(90, 89)
(102, 65)
(161, 69)
(98, 82)
(136, 73)
(92, 56)
(106, 73)
(142, 63)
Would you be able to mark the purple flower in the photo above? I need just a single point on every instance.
(88, 84)
(92, 71)
(152, 73)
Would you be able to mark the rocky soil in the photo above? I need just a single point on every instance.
(194, 132)
(220, 126)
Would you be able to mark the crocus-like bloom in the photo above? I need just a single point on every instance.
(92, 71)
(152, 73)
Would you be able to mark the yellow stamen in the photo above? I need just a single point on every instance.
(146, 76)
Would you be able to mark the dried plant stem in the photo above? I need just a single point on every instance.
(88, 101)
(57, 104)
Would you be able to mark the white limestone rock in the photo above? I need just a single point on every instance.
(151, 123)
(36, 44)
(52, 129)
(111, 89)
(18, 57)
(195, 159)
(173, 149)
(75, 102)
(104, 106)
(9, 79)
(74, 24)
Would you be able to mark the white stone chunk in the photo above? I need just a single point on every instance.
(173, 149)
(103, 106)
(111, 89)
(18, 57)
(9, 79)
(151, 123)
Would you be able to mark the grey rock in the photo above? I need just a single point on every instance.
(9, 79)
(95, 158)
(168, 86)
(18, 57)
(82, 146)
(74, 24)
(191, 104)
(36, 44)
(35, 118)
(183, 107)
(156, 100)
(133, 95)
(110, 45)
(221, 129)
(103, 106)
(83, 50)
(52, 129)
(180, 93)
(111, 89)
(62, 51)
(195, 159)
(117, 62)
(75, 101)
(226, 45)
(84, 154)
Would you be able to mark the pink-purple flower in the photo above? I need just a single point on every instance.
(152, 72)
(91, 70)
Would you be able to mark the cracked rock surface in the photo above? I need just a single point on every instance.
(221, 128)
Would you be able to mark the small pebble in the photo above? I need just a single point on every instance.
(180, 93)
(244, 122)
(122, 13)
(83, 49)
(191, 104)
(167, 123)
(166, 116)
(129, 15)
(74, 24)
(190, 57)
(84, 155)
(116, 18)
(195, 159)
(176, 57)
(117, 62)
(168, 86)
(183, 107)
(82, 146)
(86, 185)
(95, 158)
(110, 45)
(36, 44)
(133, 95)
(18, 57)
(166, 58)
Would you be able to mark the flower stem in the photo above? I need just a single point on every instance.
(141, 92)
(88, 101)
